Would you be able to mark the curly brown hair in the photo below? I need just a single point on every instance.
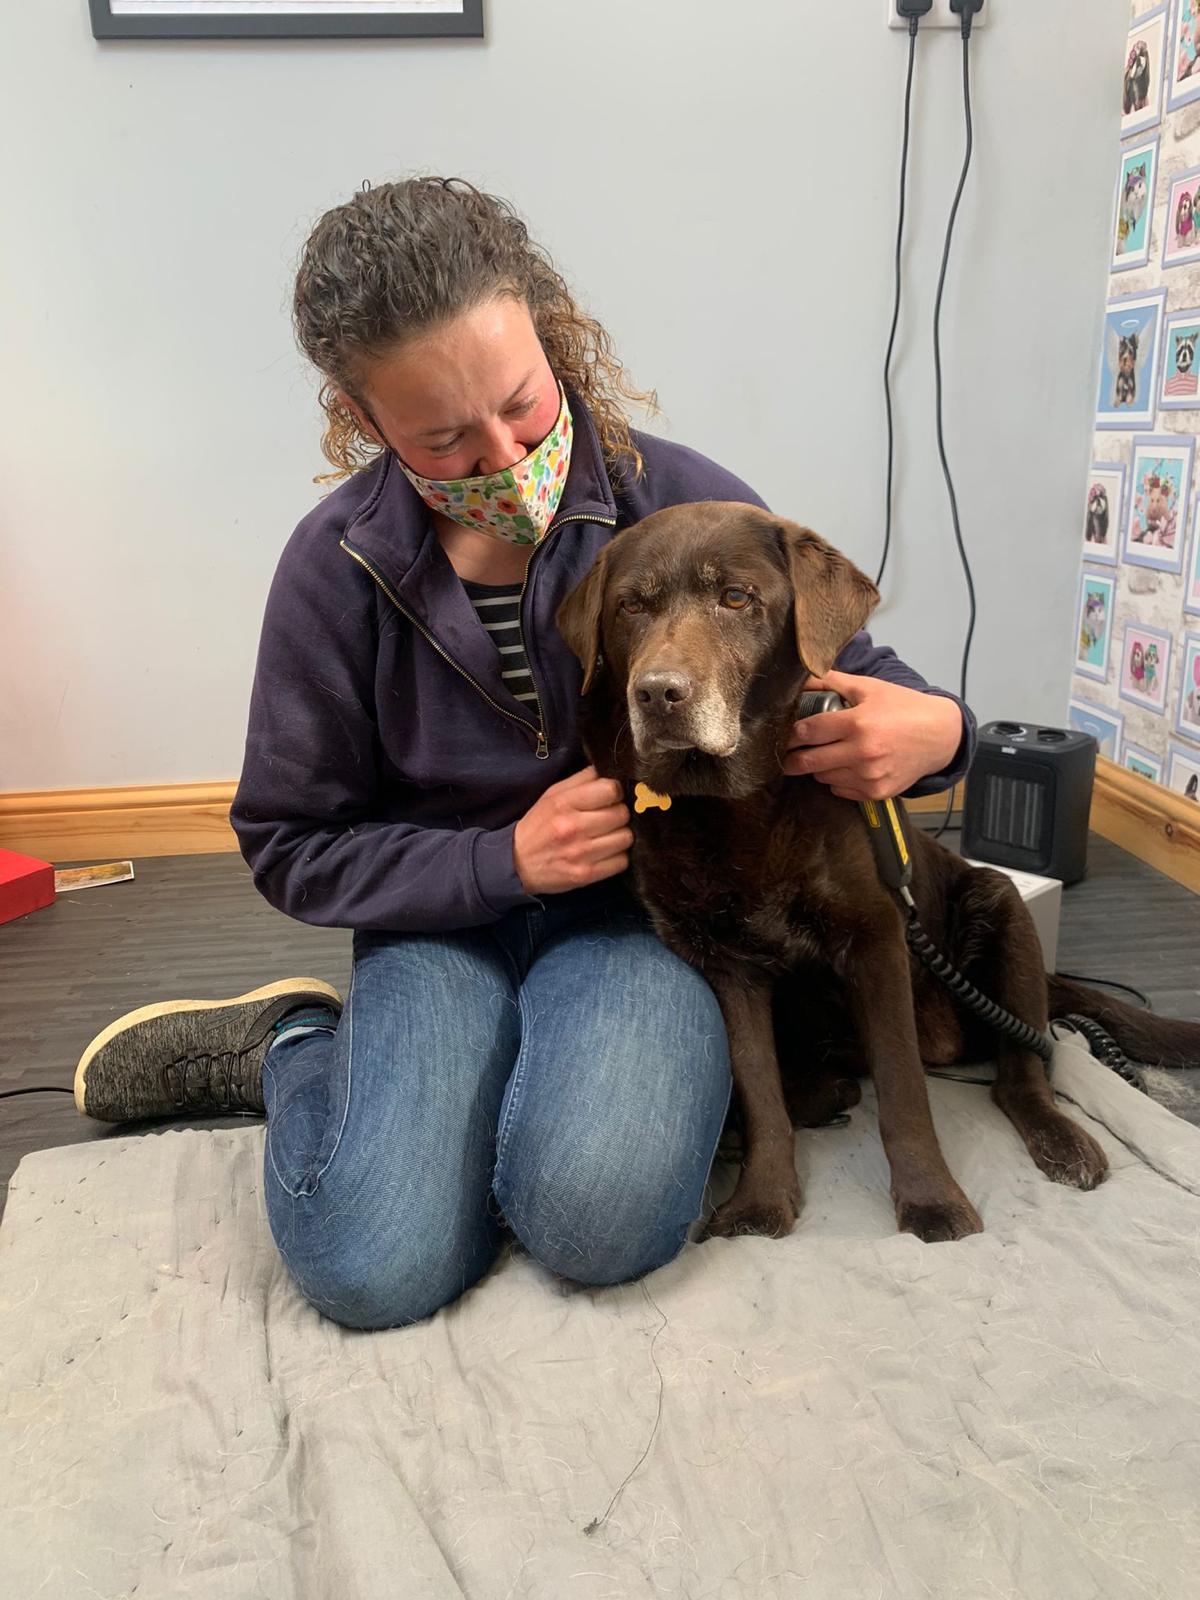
(395, 260)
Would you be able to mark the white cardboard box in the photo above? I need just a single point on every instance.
(1043, 896)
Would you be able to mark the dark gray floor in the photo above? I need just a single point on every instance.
(194, 926)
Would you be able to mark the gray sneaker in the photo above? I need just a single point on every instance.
(189, 1058)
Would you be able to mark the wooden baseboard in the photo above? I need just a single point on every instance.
(172, 819)
(1160, 828)
(1152, 823)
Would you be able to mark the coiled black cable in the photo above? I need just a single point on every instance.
(1103, 1046)
(928, 954)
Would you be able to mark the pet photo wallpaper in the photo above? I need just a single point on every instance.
(1136, 677)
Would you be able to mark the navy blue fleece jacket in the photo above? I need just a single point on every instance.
(386, 763)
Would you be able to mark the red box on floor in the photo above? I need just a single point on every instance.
(26, 884)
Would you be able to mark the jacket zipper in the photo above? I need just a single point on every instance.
(543, 749)
(538, 729)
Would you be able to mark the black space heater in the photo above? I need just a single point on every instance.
(1029, 792)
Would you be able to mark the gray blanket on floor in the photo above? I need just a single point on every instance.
(846, 1412)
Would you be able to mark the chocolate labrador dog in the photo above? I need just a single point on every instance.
(696, 630)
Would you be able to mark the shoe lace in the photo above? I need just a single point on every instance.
(209, 1078)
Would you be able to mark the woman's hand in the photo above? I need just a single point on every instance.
(576, 833)
(885, 740)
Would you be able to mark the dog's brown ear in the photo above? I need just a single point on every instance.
(833, 598)
(578, 618)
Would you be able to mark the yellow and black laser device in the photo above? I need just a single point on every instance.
(886, 822)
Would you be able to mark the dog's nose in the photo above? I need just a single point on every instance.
(663, 690)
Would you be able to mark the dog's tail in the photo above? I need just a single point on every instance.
(1141, 1035)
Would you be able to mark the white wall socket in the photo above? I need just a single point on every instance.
(941, 16)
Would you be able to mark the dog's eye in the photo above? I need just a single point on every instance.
(736, 599)
(631, 605)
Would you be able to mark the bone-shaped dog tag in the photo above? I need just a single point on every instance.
(645, 799)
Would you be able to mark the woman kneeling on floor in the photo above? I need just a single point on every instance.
(518, 1054)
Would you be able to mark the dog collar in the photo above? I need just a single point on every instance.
(645, 799)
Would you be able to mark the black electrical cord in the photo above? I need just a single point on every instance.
(887, 360)
(41, 1088)
(937, 368)
(1106, 983)
(937, 362)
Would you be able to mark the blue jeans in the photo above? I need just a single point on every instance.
(560, 1067)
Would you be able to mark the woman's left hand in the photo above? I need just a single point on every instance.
(878, 747)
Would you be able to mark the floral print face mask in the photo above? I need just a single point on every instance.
(518, 504)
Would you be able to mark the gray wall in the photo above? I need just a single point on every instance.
(716, 180)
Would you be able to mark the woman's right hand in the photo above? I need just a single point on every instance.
(576, 833)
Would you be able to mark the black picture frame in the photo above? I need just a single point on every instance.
(467, 24)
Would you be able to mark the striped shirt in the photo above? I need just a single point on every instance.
(498, 607)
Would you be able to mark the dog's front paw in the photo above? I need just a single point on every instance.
(935, 1221)
(757, 1209)
(1068, 1154)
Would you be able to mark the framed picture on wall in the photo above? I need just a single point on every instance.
(1143, 762)
(1183, 55)
(1135, 205)
(1181, 227)
(1104, 725)
(1191, 580)
(1187, 713)
(1159, 497)
(1142, 80)
(1129, 360)
(1104, 511)
(1183, 772)
(1094, 624)
(286, 19)
(1179, 386)
(1145, 666)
